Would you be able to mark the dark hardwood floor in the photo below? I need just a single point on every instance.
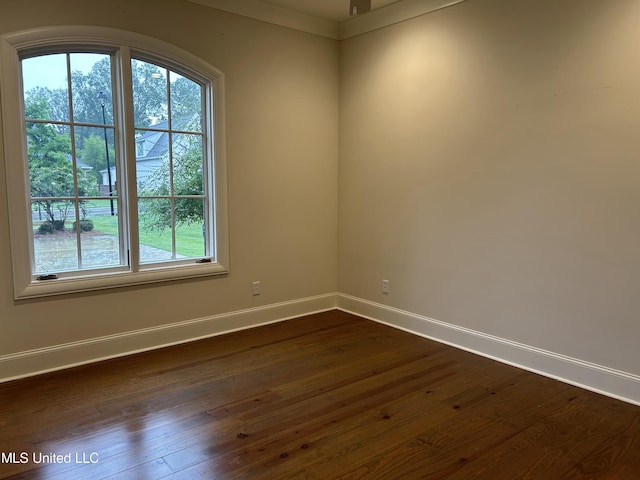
(328, 396)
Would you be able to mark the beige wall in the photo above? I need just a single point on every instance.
(490, 169)
(282, 117)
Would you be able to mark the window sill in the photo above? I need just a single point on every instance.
(88, 283)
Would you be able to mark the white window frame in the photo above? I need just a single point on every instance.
(126, 44)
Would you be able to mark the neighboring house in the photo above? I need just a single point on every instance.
(153, 147)
(82, 166)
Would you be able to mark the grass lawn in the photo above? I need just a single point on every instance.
(189, 240)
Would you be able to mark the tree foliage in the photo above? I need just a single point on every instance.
(149, 94)
(51, 172)
(185, 175)
(95, 155)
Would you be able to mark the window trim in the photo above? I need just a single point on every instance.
(17, 178)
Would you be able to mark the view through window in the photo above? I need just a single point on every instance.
(78, 168)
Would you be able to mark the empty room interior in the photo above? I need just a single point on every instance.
(424, 238)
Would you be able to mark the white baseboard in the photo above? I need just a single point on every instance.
(607, 381)
(43, 360)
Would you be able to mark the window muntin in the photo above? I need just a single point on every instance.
(199, 202)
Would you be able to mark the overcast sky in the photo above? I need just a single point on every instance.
(50, 71)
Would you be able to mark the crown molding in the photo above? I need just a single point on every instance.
(390, 15)
(374, 20)
(269, 13)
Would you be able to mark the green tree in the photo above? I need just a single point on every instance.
(57, 102)
(186, 99)
(94, 154)
(51, 172)
(149, 93)
(187, 180)
(87, 106)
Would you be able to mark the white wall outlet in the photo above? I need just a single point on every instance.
(255, 288)
(385, 287)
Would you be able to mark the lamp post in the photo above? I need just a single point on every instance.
(102, 97)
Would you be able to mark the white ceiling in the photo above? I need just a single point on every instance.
(333, 10)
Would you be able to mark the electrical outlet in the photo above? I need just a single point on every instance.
(255, 288)
(385, 287)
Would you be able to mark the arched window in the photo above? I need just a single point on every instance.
(115, 164)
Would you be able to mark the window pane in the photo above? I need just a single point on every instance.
(100, 251)
(186, 104)
(190, 239)
(50, 216)
(55, 247)
(150, 98)
(46, 96)
(100, 235)
(187, 164)
(91, 88)
(50, 168)
(152, 154)
(155, 229)
(87, 184)
(96, 166)
(56, 242)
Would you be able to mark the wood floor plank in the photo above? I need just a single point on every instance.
(326, 396)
